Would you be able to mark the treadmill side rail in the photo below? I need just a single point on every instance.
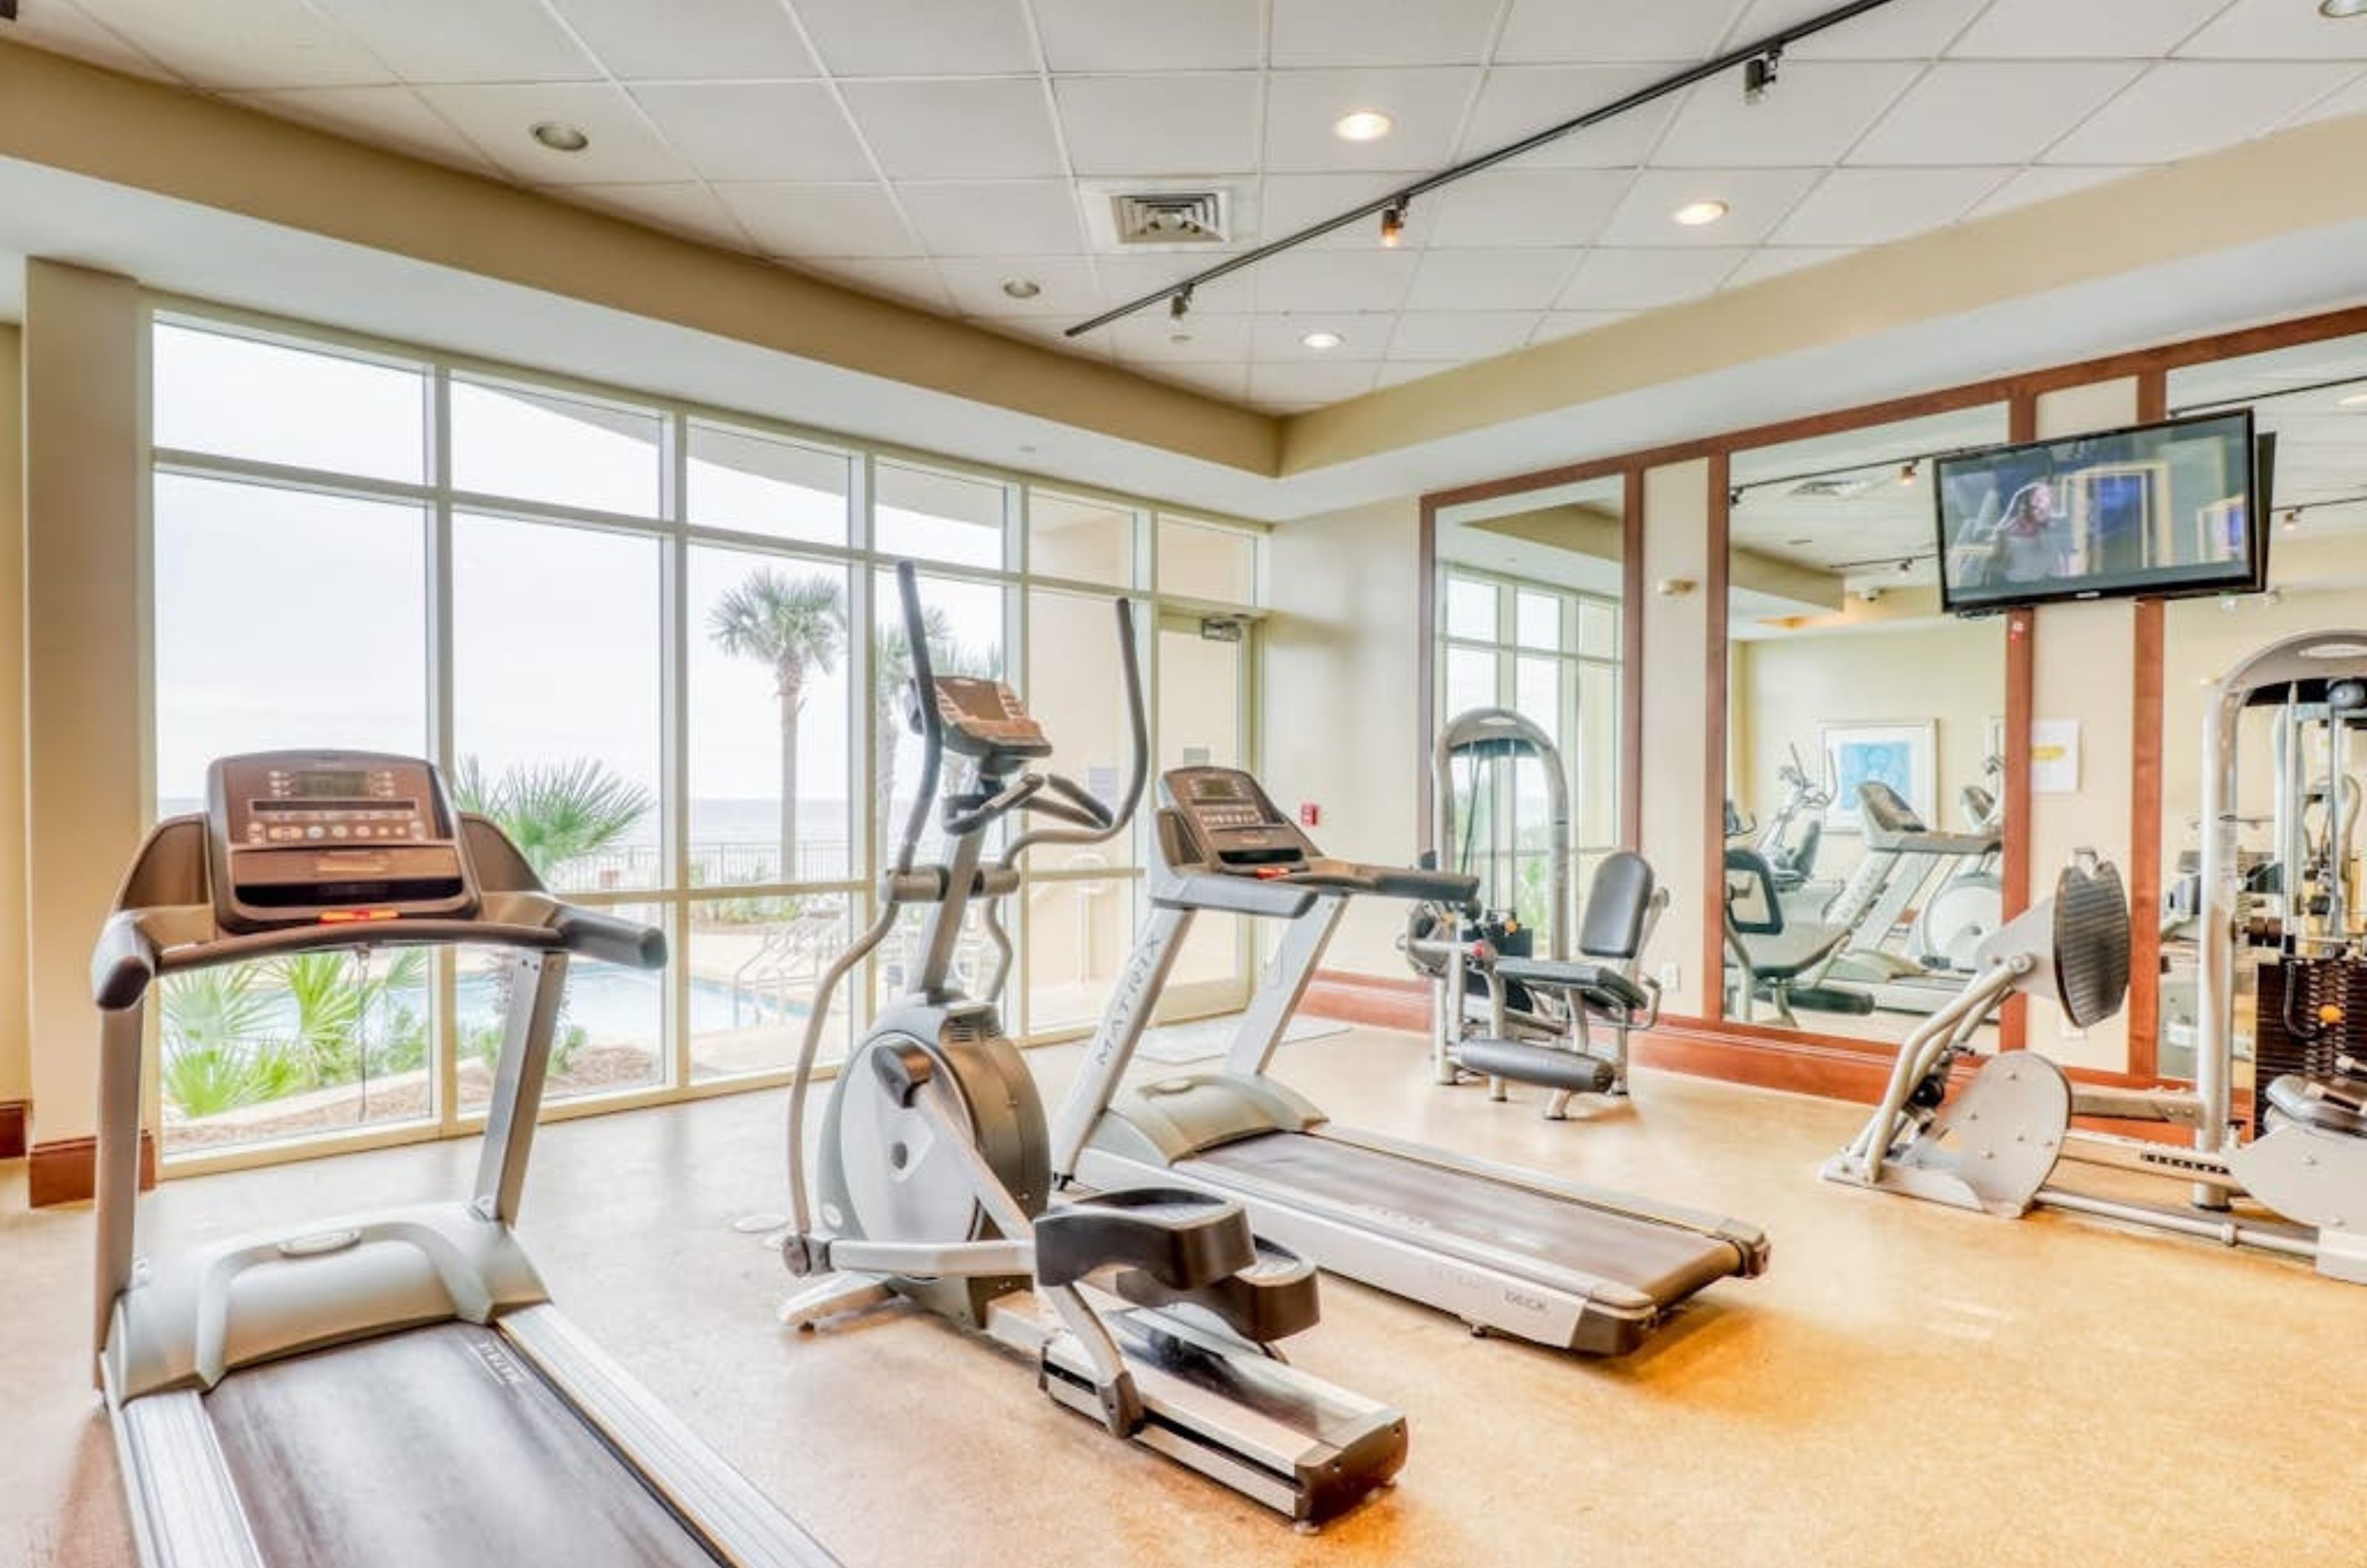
(184, 1509)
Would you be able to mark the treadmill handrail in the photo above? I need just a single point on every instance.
(136, 945)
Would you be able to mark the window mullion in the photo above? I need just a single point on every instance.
(445, 1005)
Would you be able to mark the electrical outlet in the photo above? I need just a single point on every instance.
(1673, 976)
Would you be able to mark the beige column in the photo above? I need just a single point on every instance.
(16, 1057)
(2085, 671)
(85, 628)
(1676, 754)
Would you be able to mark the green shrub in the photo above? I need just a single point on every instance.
(208, 1078)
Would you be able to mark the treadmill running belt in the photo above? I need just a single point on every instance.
(1438, 1204)
(438, 1447)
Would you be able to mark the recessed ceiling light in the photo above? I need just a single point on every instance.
(2339, 9)
(1021, 288)
(1362, 124)
(1693, 214)
(1320, 341)
(559, 136)
(2356, 400)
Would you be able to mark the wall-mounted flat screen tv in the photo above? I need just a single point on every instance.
(2157, 511)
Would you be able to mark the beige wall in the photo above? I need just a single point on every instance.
(16, 1058)
(1676, 745)
(83, 358)
(1343, 699)
(1788, 689)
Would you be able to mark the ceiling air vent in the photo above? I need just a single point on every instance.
(1171, 217)
(1835, 488)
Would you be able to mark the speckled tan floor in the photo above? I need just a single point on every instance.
(1906, 1385)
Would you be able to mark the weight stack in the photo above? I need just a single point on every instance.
(2310, 985)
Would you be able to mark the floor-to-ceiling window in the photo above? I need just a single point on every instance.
(662, 647)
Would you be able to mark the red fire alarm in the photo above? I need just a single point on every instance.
(1309, 814)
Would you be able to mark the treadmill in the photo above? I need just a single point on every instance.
(391, 1388)
(1506, 1249)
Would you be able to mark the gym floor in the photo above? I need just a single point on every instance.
(1907, 1384)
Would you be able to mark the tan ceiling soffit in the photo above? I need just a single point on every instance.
(66, 115)
(1581, 529)
(2304, 180)
(1749, 571)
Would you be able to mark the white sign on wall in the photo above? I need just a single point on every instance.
(2054, 756)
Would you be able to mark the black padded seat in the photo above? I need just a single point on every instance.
(1546, 1066)
(2327, 1103)
(1593, 982)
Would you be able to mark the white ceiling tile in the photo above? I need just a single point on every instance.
(2184, 107)
(1201, 338)
(1045, 332)
(1916, 31)
(1291, 202)
(500, 120)
(2044, 183)
(686, 208)
(1518, 100)
(466, 40)
(758, 130)
(1986, 112)
(2075, 29)
(729, 40)
(1357, 32)
(1809, 118)
(1556, 31)
(1756, 201)
(1334, 280)
(1315, 381)
(1065, 286)
(394, 118)
(1867, 207)
(994, 218)
(1524, 279)
(1570, 324)
(2350, 100)
(243, 44)
(1529, 206)
(1426, 107)
(1230, 382)
(1178, 123)
(1129, 278)
(2276, 29)
(919, 38)
(1150, 35)
(1280, 335)
(1460, 335)
(64, 28)
(909, 280)
(843, 221)
(945, 129)
(1641, 280)
(1774, 261)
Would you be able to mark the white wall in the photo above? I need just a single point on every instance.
(15, 1054)
(1343, 700)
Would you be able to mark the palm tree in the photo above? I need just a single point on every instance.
(796, 625)
(554, 812)
(893, 669)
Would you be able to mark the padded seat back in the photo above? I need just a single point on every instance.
(1618, 903)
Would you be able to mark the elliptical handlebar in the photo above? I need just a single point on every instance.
(1097, 822)
(933, 724)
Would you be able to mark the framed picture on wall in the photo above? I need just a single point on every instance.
(1903, 756)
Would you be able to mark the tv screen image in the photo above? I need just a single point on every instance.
(2159, 511)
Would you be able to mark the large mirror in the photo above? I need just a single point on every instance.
(1531, 592)
(1865, 830)
(2299, 777)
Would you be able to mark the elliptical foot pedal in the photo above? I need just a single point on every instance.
(1186, 1240)
(1270, 1301)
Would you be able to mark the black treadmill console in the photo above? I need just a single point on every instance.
(1232, 823)
(309, 837)
(985, 718)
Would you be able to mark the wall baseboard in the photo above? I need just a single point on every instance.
(66, 1171)
(15, 1118)
(1378, 1000)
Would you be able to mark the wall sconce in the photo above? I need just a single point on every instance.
(1675, 587)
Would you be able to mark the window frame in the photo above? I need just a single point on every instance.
(675, 537)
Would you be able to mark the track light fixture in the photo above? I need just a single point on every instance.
(1759, 75)
(1907, 472)
(1393, 220)
(1179, 306)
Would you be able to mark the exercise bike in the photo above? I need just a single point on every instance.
(935, 1172)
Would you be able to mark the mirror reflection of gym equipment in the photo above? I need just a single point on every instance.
(1864, 817)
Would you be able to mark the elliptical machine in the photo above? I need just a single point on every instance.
(934, 1171)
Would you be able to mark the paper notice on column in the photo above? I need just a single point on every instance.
(2054, 756)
